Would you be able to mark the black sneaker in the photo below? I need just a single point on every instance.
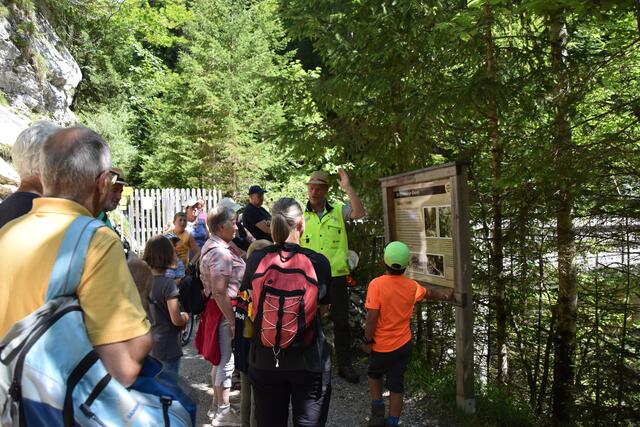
(377, 416)
(348, 373)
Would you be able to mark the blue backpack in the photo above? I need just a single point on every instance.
(51, 376)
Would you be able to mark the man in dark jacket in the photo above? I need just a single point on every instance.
(26, 159)
(255, 217)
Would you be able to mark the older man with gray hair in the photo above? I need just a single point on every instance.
(26, 159)
(76, 180)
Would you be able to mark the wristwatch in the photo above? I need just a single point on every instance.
(368, 341)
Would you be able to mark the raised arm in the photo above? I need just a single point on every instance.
(357, 208)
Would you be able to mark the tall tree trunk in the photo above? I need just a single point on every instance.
(565, 337)
(623, 339)
(539, 321)
(497, 254)
(598, 390)
(544, 379)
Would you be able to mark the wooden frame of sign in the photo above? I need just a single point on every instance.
(428, 209)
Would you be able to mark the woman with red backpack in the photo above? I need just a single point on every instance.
(289, 360)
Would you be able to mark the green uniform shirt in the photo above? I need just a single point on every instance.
(105, 218)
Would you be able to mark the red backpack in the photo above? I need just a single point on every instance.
(285, 297)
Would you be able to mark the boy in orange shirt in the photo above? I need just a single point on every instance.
(387, 333)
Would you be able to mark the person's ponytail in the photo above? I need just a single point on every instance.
(285, 215)
(279, 228)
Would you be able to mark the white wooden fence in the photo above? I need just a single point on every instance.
(149, 211)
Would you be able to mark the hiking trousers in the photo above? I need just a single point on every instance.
(308, 392)
(340, 302)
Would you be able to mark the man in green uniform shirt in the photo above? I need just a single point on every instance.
(325, 232)
(114, 197)
(112, 204)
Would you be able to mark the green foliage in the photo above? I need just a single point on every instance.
(219, 125)
(494, 406)
(421, 378)
(24, 5)
(406, 85)
(231, 93)
(114, 127)
(40, 66)
(497, 406)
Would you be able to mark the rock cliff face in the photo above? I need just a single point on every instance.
(38, 77)
(37, 72)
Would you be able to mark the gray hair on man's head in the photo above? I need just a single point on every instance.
(25, 153)
(218, 216)
(72, 159)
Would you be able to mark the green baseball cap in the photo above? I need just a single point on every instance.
(396, 255)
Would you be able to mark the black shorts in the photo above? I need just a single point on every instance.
(393, 364)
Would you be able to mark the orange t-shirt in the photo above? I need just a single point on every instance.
(394, 296)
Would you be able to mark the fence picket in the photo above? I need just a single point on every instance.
(145, 215)
(153, 212)
(160, 198)
(149, 210)
(136, 216)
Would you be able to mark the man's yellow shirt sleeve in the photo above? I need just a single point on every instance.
(108, 295)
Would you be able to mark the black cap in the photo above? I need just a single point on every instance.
(256, 189)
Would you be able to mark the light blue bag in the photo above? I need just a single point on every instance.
(51, 376)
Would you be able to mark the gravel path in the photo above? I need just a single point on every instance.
(349, 402)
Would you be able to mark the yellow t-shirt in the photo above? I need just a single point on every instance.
(108, 296)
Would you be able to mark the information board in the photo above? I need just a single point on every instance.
(428, 209)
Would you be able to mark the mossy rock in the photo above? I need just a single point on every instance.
(5, 152)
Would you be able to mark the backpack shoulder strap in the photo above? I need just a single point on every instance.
(69, 263)
(306, 251)
(296, 249)
(270, 249)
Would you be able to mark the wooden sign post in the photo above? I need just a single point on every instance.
(428, 209)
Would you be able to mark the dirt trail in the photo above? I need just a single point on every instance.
(349, 402)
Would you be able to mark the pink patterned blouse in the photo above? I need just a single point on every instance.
(219, 260)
